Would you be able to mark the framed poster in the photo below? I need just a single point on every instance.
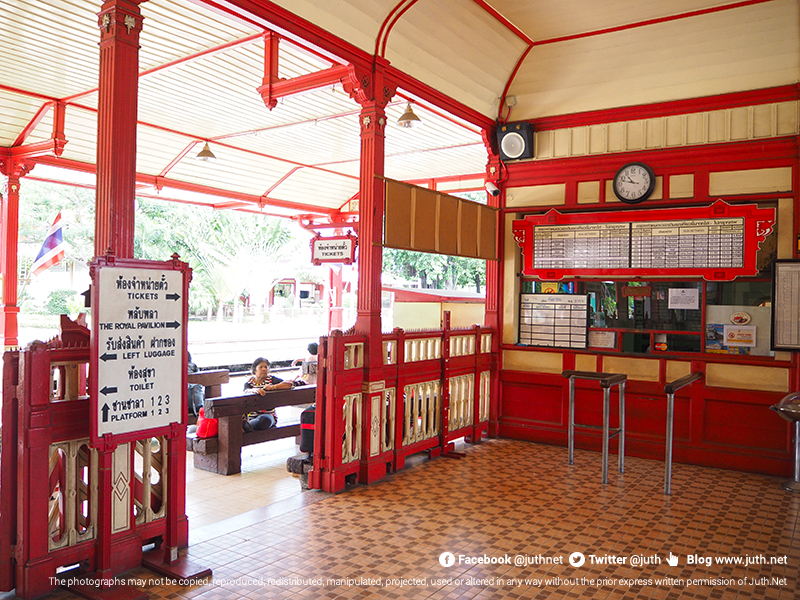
(786, 305)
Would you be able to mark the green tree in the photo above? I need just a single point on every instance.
(439, 271)
(231, 254)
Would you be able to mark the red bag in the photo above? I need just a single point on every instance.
(206, 428)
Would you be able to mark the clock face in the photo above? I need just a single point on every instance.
(634, 183)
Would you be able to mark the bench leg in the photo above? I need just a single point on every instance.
(229, 458)
(206, 462)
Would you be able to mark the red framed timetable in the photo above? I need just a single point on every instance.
(717, 242)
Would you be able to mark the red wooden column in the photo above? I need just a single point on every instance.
(372, 93)
(120, 23)
(335, 320)
(494, 288)
(13, 170)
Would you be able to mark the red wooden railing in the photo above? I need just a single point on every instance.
(51, 508)
(433, 387)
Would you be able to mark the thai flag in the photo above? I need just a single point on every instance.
(52, 249)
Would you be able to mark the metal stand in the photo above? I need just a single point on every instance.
(789, 409)
(607, 380)
(670, 390)
(793, 485)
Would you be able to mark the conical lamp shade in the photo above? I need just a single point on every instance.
(408, 118)
(206, 154)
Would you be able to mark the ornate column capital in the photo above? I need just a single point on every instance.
(120, 20)
(368, 88)
(15, 168)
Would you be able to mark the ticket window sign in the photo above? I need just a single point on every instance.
(138, 361)
(337, 249)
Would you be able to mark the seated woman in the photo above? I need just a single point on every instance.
(260, 383)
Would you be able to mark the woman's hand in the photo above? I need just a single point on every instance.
(262, 391)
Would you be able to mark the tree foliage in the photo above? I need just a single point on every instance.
(438, 271)
(233, 255)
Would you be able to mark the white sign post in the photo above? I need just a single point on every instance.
(140, 337)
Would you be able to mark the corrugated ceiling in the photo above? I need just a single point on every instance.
(200, 69)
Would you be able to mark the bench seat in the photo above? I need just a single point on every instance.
(223, 454)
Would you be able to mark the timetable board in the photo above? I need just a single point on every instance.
(554, 320)
(717, 242)
(786, 305)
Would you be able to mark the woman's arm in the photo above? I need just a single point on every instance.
(279, 384)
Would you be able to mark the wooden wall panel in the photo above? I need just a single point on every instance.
(723, 429)
(448, 217)
(468, 230)
(397, 232)
(487, 247)
(424, 238)
(429, 221)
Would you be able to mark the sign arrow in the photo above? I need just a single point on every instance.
(172, 297)
(105, 412)
(173, 325)
(108, 390)
(108, 356)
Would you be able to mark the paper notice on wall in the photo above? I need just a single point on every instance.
(684, 298)
(740, 335)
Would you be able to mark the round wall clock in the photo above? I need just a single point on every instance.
(634, 183)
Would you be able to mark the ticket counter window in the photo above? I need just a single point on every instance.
(646, 317)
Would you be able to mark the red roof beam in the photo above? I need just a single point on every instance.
(32, 124)
(272, 91)
(51, 146)
(179, 61)
(310, 36)
(162, 182)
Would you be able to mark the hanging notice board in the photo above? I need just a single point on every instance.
(717, 242)
(786, 305)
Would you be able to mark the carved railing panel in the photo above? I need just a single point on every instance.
(72, 510)
(422, 407)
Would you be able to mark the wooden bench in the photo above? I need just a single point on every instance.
(223, 454)
(212, 380)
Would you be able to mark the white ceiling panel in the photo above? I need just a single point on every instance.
(175, 29)
(469, 57)
(58, 64)
(357, 21)
(314, 188)
(306, 150)
(747, 48)
(17, 111)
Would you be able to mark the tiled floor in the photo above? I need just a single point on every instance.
(263, 481)
(503, 499)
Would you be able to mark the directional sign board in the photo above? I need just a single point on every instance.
(336, 249)
(138, 347)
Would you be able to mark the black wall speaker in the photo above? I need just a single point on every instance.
(515, 140)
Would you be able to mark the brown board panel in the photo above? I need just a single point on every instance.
(448, 217)
(424, 220)
(397, 227)
(424, 237)
(487, 249)
(468, 231)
